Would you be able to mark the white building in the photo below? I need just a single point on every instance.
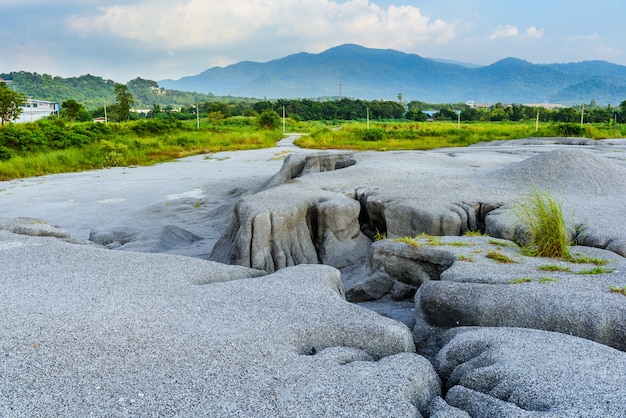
(34, 110)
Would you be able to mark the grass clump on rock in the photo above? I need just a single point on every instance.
(545, 226)
(621, 290)
(499, 257)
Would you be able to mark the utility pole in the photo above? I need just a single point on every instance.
(340, 86)
(284, 120)
(582, 115)
(197, 117)
(537, 122)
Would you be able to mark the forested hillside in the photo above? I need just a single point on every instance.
(93, 91)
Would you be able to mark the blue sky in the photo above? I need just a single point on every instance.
(158, 39)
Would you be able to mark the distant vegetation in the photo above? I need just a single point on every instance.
(55, 146)
(71, 141)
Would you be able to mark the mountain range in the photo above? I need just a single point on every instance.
(364, 73)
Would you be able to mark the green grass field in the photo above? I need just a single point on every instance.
(386, 136)
(57, 147)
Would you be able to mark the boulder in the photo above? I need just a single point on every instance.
(529, 292)
(32, 226)
(290, 225)
(513, 372)
(164, 239)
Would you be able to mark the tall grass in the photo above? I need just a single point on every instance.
(546, 233)
(400, 135)
(128, 147)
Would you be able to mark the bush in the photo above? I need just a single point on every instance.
(569, 129)
(546, 233)
(5, 153)
(156, 126)
(373, 134)
(23, 139)
(268, 119)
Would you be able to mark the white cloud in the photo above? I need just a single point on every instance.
(504, 31)
(534, 33)
(593, 37)
(264, 24)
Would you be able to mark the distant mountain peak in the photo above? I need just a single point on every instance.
(369, 73)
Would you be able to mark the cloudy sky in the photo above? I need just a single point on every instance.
(158, 39)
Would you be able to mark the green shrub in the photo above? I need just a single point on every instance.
(5, 153)
(568, 129)
(546, 233)
(373, 134)
(268, 119)
(156, 126)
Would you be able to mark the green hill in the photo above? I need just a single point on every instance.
(94, 92)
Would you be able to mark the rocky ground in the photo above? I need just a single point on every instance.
(239, 284)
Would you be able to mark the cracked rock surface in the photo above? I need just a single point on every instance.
(449, 331)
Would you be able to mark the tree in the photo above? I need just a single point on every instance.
(156, 109)
(622, 110)
(216, 118)
(124, 101)
(268, 119)
(72, 110)
(10, 102)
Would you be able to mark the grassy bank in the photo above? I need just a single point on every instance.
(385, 136)
(54, 146)
(36, 150)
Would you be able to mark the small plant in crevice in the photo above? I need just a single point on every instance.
(429, 239)
(520, 280)
(475, 234)
(499, 257)
(379, 236)
(547, 280)
(546, 233)
(467, 258)
(459, 244)
(554, 267)
(407, 240)
(502, 243)
(580, 259)
(595, 270)
(615, 289)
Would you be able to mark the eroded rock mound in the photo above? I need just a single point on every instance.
(33, 227)
(565, 171)
(512, 372)
(291, 225)
(152, 334)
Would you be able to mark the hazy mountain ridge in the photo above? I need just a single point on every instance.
(383, 73)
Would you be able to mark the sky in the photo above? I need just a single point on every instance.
(159, 39)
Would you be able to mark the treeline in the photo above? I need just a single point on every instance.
(350, 109)
(590, 113)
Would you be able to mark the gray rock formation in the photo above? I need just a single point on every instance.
(512, 372)
(136, 334)
(287, 224)
(525, 293)
(33, 227)
(126, 333)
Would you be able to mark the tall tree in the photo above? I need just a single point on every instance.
(10, 102)
(71, 108)
(124, 101)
